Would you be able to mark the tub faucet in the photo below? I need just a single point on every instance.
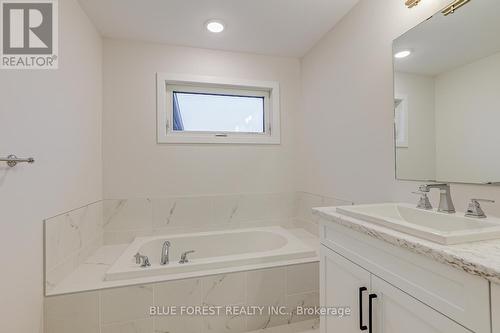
(137, 257)
(165, 251)
(184, 258)
(445, 201)
(142, 260)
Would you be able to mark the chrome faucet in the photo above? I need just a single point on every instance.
(137, 257)
(475, 209)
(423, 202)
(184, 258)
(445, 201)
(142, 260)
(165, 251)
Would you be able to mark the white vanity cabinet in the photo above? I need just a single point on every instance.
(495, 307)
(344, 283)
(413, 293)
(395, 311)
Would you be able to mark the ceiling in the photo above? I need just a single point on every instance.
(443, 42)
(273, 27)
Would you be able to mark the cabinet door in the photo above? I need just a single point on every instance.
(395, 311)
(495, 307)
(340, 283)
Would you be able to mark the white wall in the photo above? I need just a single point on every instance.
(467, 122)
(136, 166)
(346, 121)
(54, 115)
(418, 160)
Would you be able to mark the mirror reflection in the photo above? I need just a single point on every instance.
(447, 97)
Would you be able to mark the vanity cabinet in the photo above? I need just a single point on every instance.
(344, 283)
(413, 293)
(395, 311)
(495, 308)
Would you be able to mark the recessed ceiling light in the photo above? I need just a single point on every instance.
(402, 54)
(215, 26)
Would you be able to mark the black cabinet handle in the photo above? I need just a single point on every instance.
(361, 326)
(371, 297)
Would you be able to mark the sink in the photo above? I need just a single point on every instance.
(431, 225)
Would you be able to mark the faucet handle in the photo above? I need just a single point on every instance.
(184, 258)
(422, 189)
(144, 261)
(475, 210)
(137, 257)
(482, 200)
(424, 202)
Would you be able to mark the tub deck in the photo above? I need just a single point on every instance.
(212, 250)
(91, 274)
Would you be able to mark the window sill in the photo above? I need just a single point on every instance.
(213, 139)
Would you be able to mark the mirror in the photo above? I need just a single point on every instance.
(447, 97)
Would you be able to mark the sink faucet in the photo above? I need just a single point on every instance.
(423, 202)
(475, 209)
(445, 201)
(165, 250)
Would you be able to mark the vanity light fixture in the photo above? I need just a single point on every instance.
(454, 6)
(402, 54)
(215, 26)
(411, 3)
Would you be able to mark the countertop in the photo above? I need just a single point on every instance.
(477, 258)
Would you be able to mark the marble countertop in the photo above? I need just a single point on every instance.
(90, 274)
(477, 258)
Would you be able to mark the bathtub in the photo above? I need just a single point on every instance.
(213, 250)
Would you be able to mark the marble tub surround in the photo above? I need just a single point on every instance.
(125, 219)
(477, 258)
(306, 326)
(304, 204)
(119, 221)
(70, 238)
(127, 309)
(90, 275)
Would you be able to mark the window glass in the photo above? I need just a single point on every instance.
(204, 112)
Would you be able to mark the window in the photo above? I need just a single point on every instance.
(215, 110)
(210, 112)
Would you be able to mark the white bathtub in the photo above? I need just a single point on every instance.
(214, 250)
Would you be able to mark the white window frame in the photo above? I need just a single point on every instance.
(401, 120)
(168, 82)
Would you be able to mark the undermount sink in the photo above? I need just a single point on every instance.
(431, 225)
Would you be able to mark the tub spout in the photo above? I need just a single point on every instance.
(165, 251)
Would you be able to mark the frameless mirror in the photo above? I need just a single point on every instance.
(447, 96)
